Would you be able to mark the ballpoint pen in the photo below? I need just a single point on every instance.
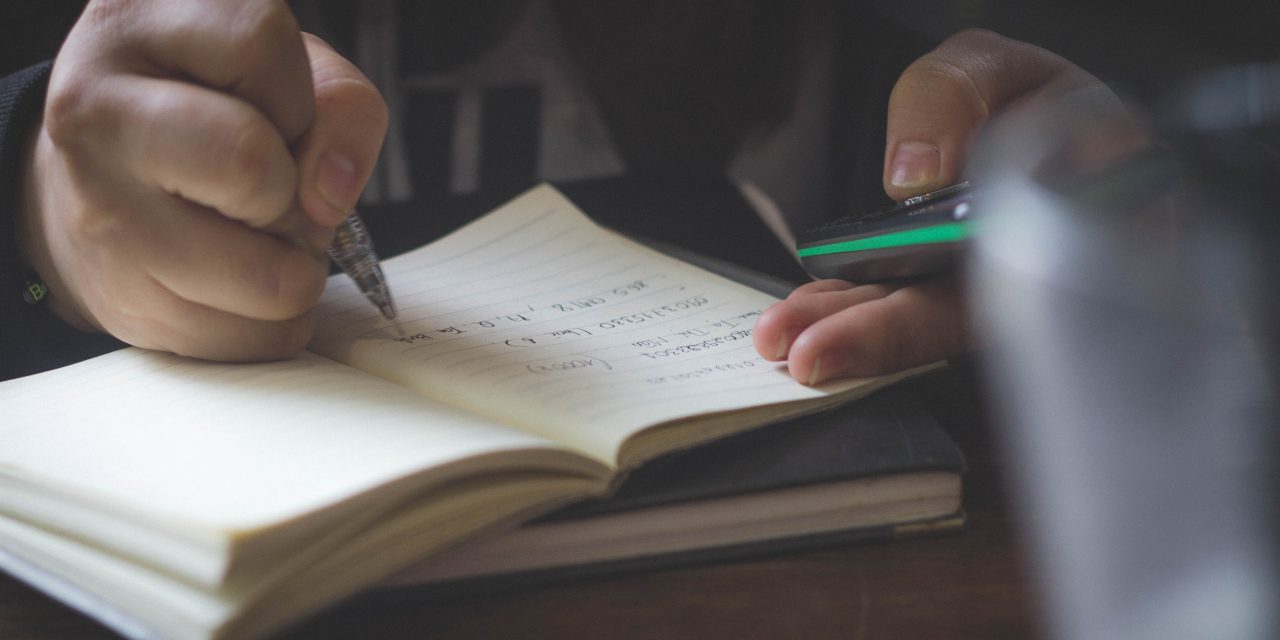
(352, 251)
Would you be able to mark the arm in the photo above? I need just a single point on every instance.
(192, 161)
(831, 328)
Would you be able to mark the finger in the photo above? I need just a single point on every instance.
(779, 325)
(190, 329)
(817, 286)
(942, 99)
(251, 49)
(188, 141)
(201, 145)
(211, 261)
(915, 325)
(337, 154)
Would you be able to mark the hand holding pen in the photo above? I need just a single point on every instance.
(180, 193)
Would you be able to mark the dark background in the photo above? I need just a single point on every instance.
(1137, 46)
(1143, 49)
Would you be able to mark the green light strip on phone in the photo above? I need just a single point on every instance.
(947, 232)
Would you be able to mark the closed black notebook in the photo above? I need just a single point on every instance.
(879, 469)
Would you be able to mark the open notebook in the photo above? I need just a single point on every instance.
(538, 357)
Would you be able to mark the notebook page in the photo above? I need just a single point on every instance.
(205, 450)
(536, 317)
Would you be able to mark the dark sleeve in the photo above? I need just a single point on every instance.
(31, 338)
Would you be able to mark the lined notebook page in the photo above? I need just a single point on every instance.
(210, 449)
(537, 317)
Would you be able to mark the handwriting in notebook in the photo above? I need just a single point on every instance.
(550, 307)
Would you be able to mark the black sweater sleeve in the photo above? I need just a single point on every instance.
(31, 338)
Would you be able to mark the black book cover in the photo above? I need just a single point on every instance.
(889, 432)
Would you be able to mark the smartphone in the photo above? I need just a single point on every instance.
(918, 237)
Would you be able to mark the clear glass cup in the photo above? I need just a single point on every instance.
(1124, 271)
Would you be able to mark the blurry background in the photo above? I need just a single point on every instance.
(1139, 45)
(1140, 48)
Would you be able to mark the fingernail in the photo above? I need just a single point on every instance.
(915, 164)
(336, 182)
(784, 344)
(826, 366)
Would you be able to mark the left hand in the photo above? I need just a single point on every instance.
(830, 328)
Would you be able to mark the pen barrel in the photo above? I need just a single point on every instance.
(352, 250)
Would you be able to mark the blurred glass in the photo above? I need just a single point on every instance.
(1125, 278)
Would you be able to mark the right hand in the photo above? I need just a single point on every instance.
(831, 328)
(193, 161)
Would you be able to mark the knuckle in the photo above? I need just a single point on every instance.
(102, 225)
(257, 26)
(296, 286)
(938, 73)
(947, 81)
(95, 216)
(260, 184)
(70, 114)
(128, 312)
(932, 70)
(248, 153)
(963, 67)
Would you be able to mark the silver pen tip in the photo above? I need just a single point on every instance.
(388, 310)
(380, 296)
(352, 250)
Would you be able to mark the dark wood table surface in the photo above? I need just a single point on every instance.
(969, 585)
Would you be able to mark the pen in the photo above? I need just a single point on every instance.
(352, 250)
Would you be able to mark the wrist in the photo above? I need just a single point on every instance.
(39, 183)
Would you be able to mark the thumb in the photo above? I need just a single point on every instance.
(337, 154)
(942, 99)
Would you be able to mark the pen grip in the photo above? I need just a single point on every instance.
(352, 250)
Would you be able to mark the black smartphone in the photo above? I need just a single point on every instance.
(918, 237)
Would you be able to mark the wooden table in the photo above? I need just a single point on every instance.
(971, 585)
